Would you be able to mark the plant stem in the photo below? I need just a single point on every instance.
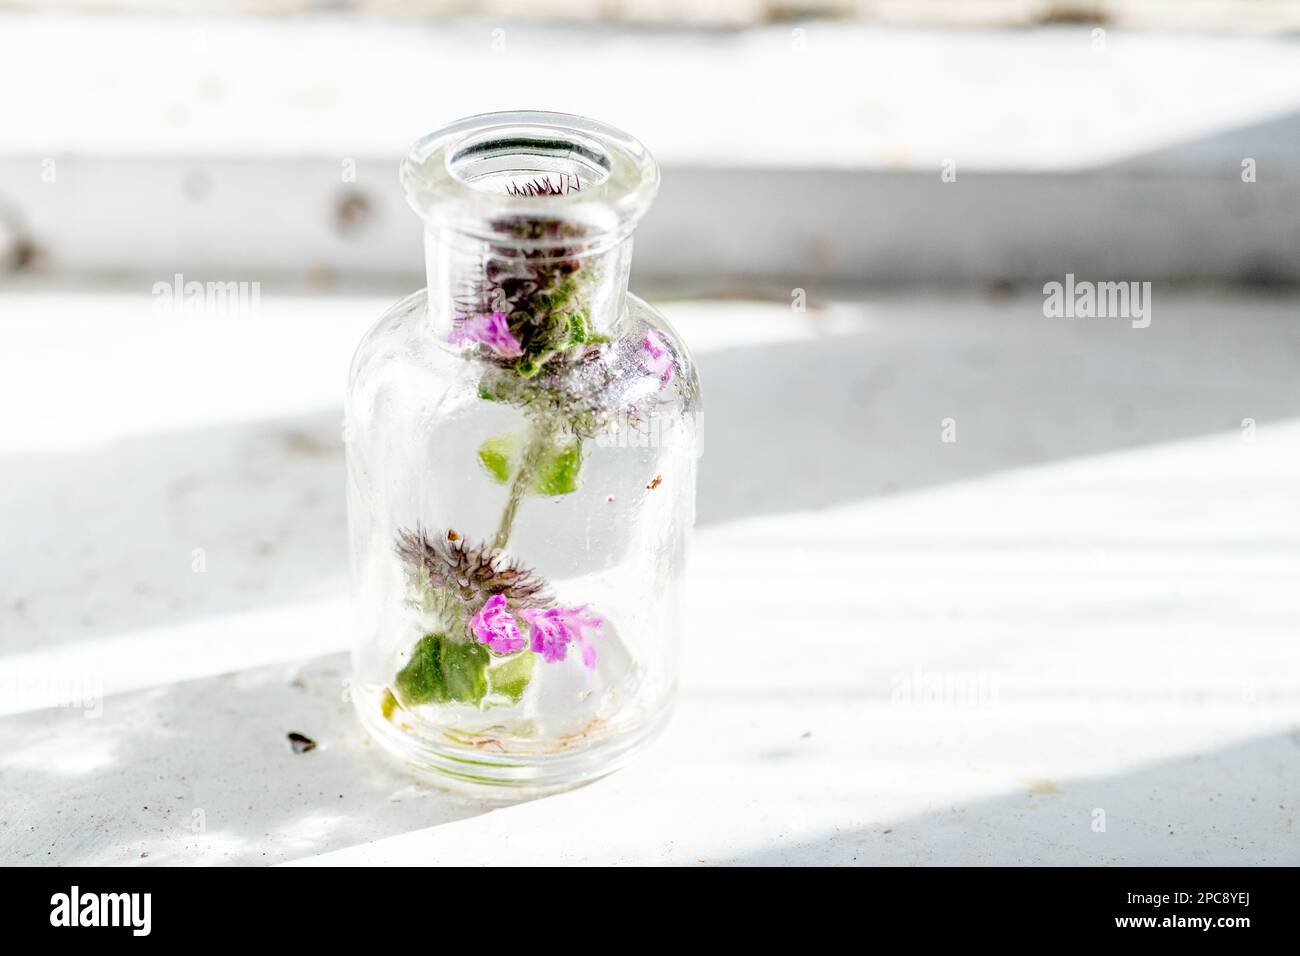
(538, 441)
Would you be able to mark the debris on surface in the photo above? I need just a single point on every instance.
(301, 743)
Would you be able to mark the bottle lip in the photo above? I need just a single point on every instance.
(456, 178)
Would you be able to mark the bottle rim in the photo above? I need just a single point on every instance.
(460, 178)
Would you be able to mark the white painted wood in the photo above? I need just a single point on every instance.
(821, 94)
(901, 650)
(238, 148)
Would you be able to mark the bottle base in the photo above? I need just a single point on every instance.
(481, 772)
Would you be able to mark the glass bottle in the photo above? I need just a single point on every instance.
(521, 443)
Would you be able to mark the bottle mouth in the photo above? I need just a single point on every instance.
(483, 175)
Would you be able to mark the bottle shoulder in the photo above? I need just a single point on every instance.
(400, 353)
(391, 334)
(643, 318)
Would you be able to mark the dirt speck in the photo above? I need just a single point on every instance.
(1041, 787)
(306, 444)
(352, 211)
(23, 255)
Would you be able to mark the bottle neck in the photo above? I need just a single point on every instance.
(545, 279)
(528, 222)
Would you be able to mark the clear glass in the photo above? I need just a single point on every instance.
(521, 441)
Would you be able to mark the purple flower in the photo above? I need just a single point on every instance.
(555, 628)
(659, 360)
(491, 330)
(494, 626)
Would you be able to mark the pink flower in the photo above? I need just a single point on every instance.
(555, 628)
(491, 330)
(494, 626)
(659, 361)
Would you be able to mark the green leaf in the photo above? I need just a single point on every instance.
(497, 454)
(578, 332)
(555, 467)
(511, 678)
(530, 365)
(557, 472)
(443, 671)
